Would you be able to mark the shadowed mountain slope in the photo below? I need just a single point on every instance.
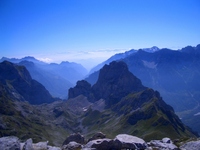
(57, 78)
(19, 83)
(129, 106)
(126, 107)
(175, 74)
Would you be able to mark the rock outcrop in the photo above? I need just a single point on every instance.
(82, 87)
(165, 143)
(121, 141)
(192, 145)
(9, 143)
(115, 82)
(78, 138)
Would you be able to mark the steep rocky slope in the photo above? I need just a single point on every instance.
(129, 107)
(175, 74)
(57, 78)
(17, 80)
(118, 103)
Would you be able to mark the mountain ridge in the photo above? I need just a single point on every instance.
(131, 107)
(57, 78)
(175, 74)
(19, 82)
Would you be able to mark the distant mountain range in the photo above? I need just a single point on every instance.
(57, 78)
(121, 56)
(175, 74)
(116, 103)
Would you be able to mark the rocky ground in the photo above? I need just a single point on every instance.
(100, 142)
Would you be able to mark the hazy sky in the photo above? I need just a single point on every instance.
(93, 30)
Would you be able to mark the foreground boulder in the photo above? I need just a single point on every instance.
(78, 138)
(40, 146)
(98, 135)
(122, 141)
(9, 143)
(165, 143)
(72, 146)
(192, 145)
(130, 142)
(28, 145)
(99, 144)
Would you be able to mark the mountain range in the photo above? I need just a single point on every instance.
(57, 78)
(175, 74)
(116, 103)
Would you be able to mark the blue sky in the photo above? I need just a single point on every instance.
(90, 31)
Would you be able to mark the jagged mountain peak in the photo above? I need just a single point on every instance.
(151, 50)
(115, 81)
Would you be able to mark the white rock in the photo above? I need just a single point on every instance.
(40, 146)
(99, 144)
(28, 145)
(166, 140)
(131, 142)
(165, 143)
(9, 143)
(193, 145)
(53, 148)
(72, 146)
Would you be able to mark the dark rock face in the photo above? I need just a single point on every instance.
(19, 82)
(98, 135)
(174, 73)
(82, 87)
(115, 82)
(57, 78)
(78, 138)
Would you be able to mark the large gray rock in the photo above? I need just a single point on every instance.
(40, 146)
(193, 145)
(100, 144)
(9, 143)
(28, 145)
(78, 138)
(164, 144)
(122, 141)
(53, 148)
(72, 146)
(130, 142)
(98, 135)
